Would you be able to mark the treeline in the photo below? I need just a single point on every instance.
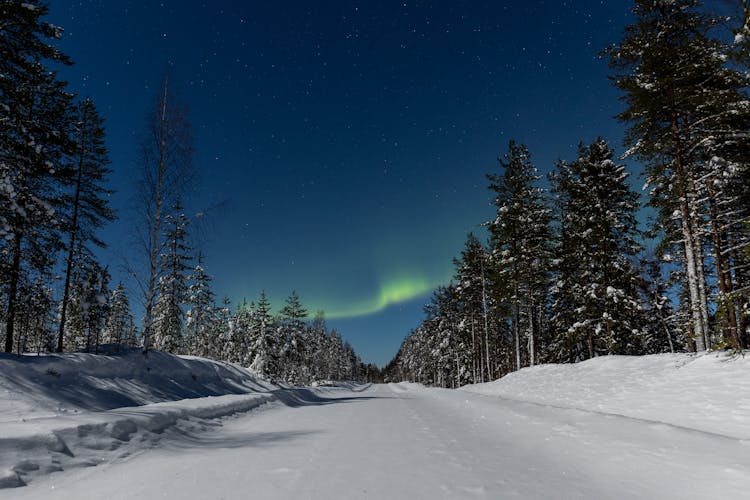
(55, 295)
(564, 276)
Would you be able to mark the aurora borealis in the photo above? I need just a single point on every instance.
(343, 145)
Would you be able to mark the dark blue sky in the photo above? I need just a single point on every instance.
(348, 140)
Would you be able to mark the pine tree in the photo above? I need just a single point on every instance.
(88, 203)
(520, 245)
(451, 358)
(34, 132)
(471, 279)
(687, 121)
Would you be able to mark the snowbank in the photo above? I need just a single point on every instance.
(60, 411)
(708, 393)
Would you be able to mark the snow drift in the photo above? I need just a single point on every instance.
(59, 411)
(708, 392)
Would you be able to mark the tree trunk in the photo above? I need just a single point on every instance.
(516, 331)
(699, 258)
(473, 353)
(692, 261)
(155, 229)
(14, 277)
(486, 328)
(532, 340)
(71, 247)
(723, 276)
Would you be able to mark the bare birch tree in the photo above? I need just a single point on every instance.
(166, 172)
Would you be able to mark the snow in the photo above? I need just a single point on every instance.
(667, 426)
(709, 392)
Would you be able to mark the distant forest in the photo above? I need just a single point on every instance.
(565, 275)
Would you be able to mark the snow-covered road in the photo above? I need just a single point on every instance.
(405, 441)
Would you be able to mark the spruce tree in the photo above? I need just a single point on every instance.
(293, 315)
(87, 306)
(595, 308)
(35, 316)
(168, 313)
(119, 324)
(201, 312)
(237, 348)
(316, 348)
(266, 346)
(220, 336)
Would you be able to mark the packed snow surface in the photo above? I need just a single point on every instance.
(600, 429)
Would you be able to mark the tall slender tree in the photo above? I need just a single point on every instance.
(166, 158)
(88, 203)
(521, 245)
(471, 280)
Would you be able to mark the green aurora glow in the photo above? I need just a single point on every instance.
(391, 292)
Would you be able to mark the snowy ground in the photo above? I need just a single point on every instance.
(584, 431)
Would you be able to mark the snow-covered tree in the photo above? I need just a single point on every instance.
(521, 245)
(292, 327)
(317, 347)
(88, 306)
(34, 131)
(168, 313)
(687, 115)
(119, 327)
(595, 308)
(473, 289)
(216, 342)
(200, 323)
(237, 347)
(35, 317)
(265, 345)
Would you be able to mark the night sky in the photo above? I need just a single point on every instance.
(345, 143)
